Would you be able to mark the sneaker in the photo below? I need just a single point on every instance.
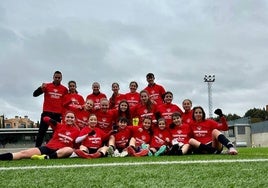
(73, 155)
(124, 154)
(82, 154)
(161, 150)
(116, 153)
(39, 157)
(110, 151)
(131, 151)
(142, 153)
(232, 151)
(150, 153)
(145, 146)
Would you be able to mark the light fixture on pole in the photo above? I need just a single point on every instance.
(210, 79)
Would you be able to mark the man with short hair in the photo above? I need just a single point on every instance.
(52, 105)
(155, 91)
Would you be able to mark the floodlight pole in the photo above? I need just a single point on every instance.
(210, 79)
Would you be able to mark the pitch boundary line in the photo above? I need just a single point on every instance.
(132, 164)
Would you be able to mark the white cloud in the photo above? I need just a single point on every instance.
(120, 41)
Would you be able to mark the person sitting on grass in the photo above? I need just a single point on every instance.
(207, 137)
(119, 141)
(92, 139)
(160, 139)
(59, 146)
(140, 135)
(181, 133)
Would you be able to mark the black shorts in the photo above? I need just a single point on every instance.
(92, 150)
(209, 150)
(45, 150)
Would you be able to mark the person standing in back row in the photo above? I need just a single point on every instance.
(155, 91)
(52, 105)
(96, 95)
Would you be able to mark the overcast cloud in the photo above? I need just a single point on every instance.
(119, 41)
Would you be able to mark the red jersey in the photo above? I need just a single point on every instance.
(94, 141)
(181, 133)
(156, 92)
(117, 100)
(116, 115)
(140, 134)
(133, 99)
(187, 117)
(71, 99)
(166, 110)
(159, 137)
(105, 120)
(81, 115)
(53, 97)
(122, 137)
(63, 136)
(96, 98)
(82, 118)
(140, 111)
(202, 131)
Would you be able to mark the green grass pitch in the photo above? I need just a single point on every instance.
(247, 169)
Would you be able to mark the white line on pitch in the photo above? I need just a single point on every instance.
(131, 164)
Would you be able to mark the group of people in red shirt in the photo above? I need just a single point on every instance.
(147, 123)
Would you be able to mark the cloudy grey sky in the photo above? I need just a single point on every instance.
(119, 41)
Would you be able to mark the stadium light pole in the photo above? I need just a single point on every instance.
(209, 79)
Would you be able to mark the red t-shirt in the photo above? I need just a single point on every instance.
(140, 134)
(63, 136)
(96, 99)
(166, 110)
(94, 141)
(70, 100)
(202, 131)
(117, 100)
(53, 97)
(122, 137)
(181, 133)
(156, 92)
(133, 99)
(140, 111)
(159, 137)
(105, 120)
(187, 117)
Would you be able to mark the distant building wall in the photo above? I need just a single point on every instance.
(19, 122)
(260, 140)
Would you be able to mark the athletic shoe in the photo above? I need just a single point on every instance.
(161, 150)
(110, 151)
(124, 154)
(39, 157)
(232, 151)
(73, 155)
(131, 151)
(145, 146)
(150, 153)
(95, 155)
(142, 153)
(82, 154)
(116, 153)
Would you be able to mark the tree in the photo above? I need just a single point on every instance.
(231, 117)
(257, 115)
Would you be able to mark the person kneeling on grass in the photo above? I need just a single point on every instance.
(160, 139)
(181, 134)
(59, 146)
(207, 137)
(92, 140)
(119, 141)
